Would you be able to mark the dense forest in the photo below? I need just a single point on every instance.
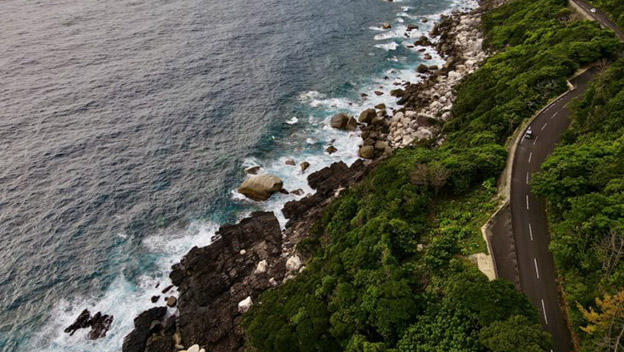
(584, 183)
(389, 268)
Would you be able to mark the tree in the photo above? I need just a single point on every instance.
(516, 334)
(607, 322)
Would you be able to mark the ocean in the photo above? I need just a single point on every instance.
(126, 126)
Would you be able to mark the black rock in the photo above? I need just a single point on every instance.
(80, 323)
(136, 340)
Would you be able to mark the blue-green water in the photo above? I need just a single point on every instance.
(126, 126)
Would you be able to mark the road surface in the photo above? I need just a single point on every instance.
(535, 266)
(600, 17)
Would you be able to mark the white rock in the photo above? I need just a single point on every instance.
(272, 281)
(243, 306)
(423, 133)
(202, 350)
(194, 348)
(478, 45)
(261, 267)
(242, 252)
(454, 75)
(293, 263)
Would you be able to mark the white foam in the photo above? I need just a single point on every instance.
(387, 46)
(124, 299)
(292, 121)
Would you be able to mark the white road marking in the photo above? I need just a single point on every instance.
(555, 114)
(531, 232)
(546, 124)
(527, 178)
(527, 201)
(544, 311)
(536, 268)
(530, 156)
(535, 140)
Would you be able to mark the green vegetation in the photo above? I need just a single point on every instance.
(584, 183)
(615, 8)
(388, 270)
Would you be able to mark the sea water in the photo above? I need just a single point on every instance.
(126, 126)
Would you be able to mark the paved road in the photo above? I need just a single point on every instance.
(601, 17)
(536, 266)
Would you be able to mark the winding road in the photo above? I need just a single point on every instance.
(536, 268)
(532, 267)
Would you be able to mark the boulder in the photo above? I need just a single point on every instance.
(367, 152)
(343, 122)
(380, 106)
(253, 170)
(245, 305)
(411, 27)
(367, 115)
(422, 68)
(166, 289)
(379, 93)
(260, 187)
(331, 150)
(304, 166)
(293, 263)
(261, 267)
(381, 145)
(397, 93)
(194, 348)
(290, 162)
(427, 56)
(171, 301)
(386, 25)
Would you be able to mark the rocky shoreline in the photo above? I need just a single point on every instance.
(427, 104)
(220, 282)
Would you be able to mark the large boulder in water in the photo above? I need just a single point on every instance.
(260, 187)
(343, 122)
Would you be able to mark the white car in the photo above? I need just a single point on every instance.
(593, 10)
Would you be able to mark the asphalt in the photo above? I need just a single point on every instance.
(520, 235)
(601, 17)
(535, 265)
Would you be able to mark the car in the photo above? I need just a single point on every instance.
(529, 133)
(593, 10)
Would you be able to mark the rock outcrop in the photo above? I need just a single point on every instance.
(99, 324)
